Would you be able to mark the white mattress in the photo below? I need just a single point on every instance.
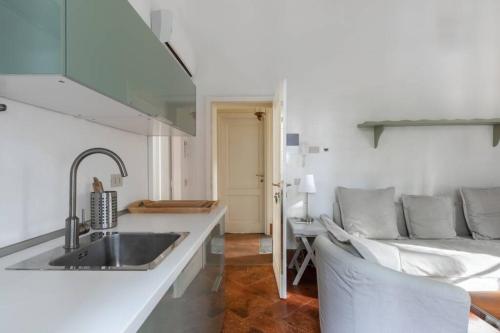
(471, 264)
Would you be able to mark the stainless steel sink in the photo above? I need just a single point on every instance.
(108, 251)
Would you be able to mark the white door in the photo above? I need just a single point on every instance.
(241, 170)
(279, 188)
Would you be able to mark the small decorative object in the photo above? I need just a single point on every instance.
(259, 115)
(307, 186)
(97, 185)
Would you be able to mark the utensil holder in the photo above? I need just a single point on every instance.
(103, 209)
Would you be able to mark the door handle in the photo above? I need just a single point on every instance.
(277, 184)
(259, 175)
(277, 197)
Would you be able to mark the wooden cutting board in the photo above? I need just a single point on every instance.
(171, 206)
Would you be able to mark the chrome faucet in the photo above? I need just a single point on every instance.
(73, 226)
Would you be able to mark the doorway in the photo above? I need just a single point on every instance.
(242, 164)
(251, 135)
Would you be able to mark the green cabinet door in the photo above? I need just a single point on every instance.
(103, 45)
(111, 50)
(32, 37)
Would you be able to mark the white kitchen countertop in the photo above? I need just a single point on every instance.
(97, 301)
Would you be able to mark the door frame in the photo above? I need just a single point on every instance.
(217, 107)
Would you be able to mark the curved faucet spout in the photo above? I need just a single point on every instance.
(72, 222)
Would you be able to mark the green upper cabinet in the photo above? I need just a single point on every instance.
(32, 36)
(103, 46)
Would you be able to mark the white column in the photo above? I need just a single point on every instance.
(159, 167)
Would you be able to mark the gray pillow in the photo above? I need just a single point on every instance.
(368, 213)
(482, 211)
(400, 219)
(429, 217)
(460, 224)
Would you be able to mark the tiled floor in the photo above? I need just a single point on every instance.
(251, 296)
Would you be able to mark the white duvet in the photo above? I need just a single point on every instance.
(472, 264)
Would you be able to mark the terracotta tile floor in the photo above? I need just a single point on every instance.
(251, 296)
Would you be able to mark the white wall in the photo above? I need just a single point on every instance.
(37, 148)
(143, 8)
(349, 61)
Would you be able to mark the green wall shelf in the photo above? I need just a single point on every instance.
(379, 126)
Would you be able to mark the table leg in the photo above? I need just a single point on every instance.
(309, 249)
(309, 257)
(302, 269)
(293, 263)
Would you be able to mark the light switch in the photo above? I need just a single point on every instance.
(313, 150)
(116, 180)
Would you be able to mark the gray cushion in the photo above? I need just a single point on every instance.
(368, 213)
(461, 227)
(482, 211)
(403, 231)
(336, 214)
(398, 206)
(429, 217)
(460, 224)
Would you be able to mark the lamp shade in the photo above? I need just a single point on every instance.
(307, 184)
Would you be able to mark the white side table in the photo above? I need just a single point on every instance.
(304, 234)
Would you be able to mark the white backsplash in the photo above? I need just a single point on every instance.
(37, 148)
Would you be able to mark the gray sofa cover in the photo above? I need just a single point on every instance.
(471, 264)
(357, 296)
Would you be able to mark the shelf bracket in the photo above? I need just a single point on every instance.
(496, 134)
(377, 132)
